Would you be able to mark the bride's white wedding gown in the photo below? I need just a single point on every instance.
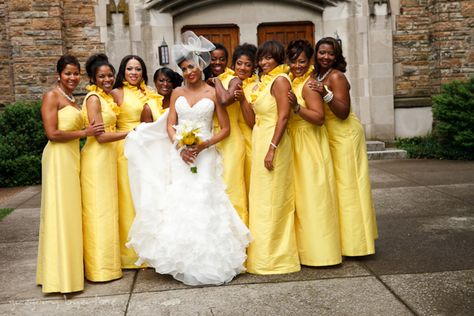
(185, 224)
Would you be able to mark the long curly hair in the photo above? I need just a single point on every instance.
(340, 62)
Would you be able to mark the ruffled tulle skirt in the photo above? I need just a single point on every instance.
(185, 225)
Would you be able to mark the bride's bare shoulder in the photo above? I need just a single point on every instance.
(211, 94)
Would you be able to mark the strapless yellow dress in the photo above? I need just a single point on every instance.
(100, 215)
(356, 209)
(60, 261)
(317, 224)
(272, 201)
(232, 149)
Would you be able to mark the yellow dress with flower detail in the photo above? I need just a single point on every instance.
(100, 215)
(356, 210)
(316, 223)
(248, 86)
(272, 209)
(232, 149)
(60, 261)
(129, 117)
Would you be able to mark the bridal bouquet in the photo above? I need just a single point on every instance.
(188, 134)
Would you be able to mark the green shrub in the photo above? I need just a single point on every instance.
(453, 131)
(4, 212)
(453, 114)
(21, 144)
(419, 147)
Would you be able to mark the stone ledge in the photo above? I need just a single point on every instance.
(413, 102)
(387, 154)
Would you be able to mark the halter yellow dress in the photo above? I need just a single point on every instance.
(129, 117)
(247, 85)
(60, 261)
(272, 209)
(100, 213)
(232, 149)
(317, 224)
(356, 210)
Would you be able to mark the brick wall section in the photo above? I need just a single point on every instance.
(432, 45)
(81, 36)
(6, 87)
(37, 33)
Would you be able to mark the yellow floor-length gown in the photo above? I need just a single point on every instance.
(232, 150)
(356, 210)
(60, 261)
(272, 209)
(316, 224)
(129, 117)
(247, 85)
(100, 215)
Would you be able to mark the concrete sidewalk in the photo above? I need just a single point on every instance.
(424, 263)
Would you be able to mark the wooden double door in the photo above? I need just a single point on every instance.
(229, 34)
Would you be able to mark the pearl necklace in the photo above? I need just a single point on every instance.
(70, 98)
(319, 78)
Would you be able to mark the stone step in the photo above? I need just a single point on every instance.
(375, 145)
(389, 153)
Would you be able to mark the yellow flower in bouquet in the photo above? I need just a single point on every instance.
(188, 133)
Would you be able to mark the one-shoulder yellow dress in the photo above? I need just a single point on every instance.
(129, 117)
(317, 224)
(60, 261)
(248, 86)
(232, 149)
(356, 210)
(100, 215)
(272, 205)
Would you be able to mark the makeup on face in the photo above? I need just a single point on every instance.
(133, 72)
(105, 78)
(300, 65)
(218, 62)
(243, 67)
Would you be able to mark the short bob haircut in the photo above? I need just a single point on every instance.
(245, 49)
(340, 62)
(65, 60)
(175, 77)
(295, 48)
(274, 49)
(121, 71)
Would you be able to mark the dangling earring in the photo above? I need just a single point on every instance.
(59, 79)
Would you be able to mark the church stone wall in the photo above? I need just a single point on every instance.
(6, 91)
(433, 44)
(35, 35)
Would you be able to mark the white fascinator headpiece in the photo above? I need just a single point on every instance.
(194, 48)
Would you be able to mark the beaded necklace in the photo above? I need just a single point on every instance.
(69, 97)
(320, 79)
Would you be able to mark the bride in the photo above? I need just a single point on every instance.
(185, 224)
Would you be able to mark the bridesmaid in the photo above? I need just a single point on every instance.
(317, 225)
(99, 176)
(166, 80)
(231, 148)
(244, 64)
(60, 261)
(349, 152)
(137, 104)
(272, 209)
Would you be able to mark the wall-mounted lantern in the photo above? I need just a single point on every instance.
(164, 53)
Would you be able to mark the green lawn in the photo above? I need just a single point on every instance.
(4, 212)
